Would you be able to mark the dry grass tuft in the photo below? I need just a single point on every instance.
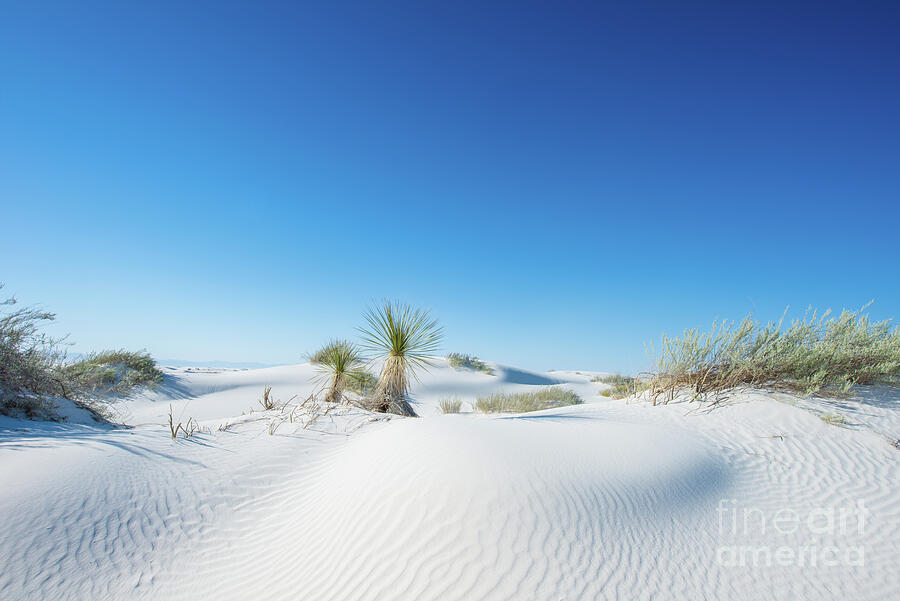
(523, 402)
(450, 405)
(187, 429)
(268, 400)
(833, 419)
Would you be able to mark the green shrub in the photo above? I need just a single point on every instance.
(461, 361)
(523, 402)
(114, 372)
(814, 354)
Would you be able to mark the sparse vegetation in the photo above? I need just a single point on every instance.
(268, 400)
(31, 363)
(187, 429)
(523, 402)
(622, 386)
(338, 362)
(461, 361)
(450, 405)
(812, 355)
(405, 339)
(34, 373)
(833, 419)
(114, 372)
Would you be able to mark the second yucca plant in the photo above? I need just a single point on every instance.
(405, 339)
(338, 362)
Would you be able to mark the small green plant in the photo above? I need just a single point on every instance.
(461, 361)
(450, 405)
(405, 339)
(523, 402)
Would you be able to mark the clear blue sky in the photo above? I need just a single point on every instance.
(558, 182)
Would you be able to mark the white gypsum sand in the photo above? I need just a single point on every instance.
(758, 499)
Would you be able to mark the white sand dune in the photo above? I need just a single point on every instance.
(605, 500)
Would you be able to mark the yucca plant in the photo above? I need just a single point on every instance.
(405, 339)
(338, 362)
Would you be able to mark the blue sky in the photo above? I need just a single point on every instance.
(559, 182)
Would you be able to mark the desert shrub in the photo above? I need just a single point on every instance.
(461, 361)
(622, 386)
(34, 373)
(30, 362)
(523, 402)
(114, 372)
(450, 405)
(813, 354)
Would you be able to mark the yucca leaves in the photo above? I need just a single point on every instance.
(337, 362)
(405, 339)
(397, 329)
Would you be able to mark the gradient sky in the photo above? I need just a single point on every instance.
(559, 182)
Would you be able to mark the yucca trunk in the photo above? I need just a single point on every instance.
(335, 394)
(394, 386)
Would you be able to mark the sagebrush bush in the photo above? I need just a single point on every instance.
(523, 402)
(114, 372)
(463, 361)
(30, 362)
(34, 373)
(814, 354)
